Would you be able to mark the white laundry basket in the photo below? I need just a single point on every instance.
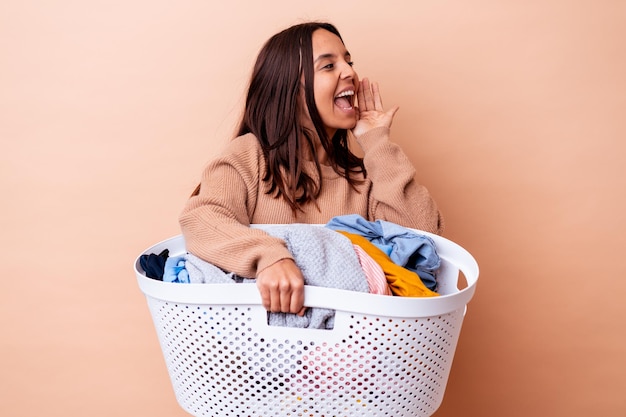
(386, 356)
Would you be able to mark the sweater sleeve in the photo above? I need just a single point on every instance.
(395, 194)
(216, 222)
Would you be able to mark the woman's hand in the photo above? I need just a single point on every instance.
(370, 113)
(282, 287)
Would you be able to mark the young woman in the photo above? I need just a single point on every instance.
(291, 163)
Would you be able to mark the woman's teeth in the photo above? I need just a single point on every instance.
(344, 100)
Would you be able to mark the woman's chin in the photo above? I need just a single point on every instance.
(346, 124)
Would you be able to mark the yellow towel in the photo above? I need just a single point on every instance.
(401, 281)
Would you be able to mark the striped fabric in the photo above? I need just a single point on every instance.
(374, 273)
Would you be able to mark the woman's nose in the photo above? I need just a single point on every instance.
(347, 71)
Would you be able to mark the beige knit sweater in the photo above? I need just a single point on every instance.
(215, 223)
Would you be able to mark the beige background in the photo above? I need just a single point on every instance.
(512, 111)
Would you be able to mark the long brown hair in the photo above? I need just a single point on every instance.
(272, 113)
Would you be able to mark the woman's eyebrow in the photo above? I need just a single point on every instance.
(326, 56)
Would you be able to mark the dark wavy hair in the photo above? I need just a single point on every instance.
(272, 114)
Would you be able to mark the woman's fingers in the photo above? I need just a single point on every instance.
(370, 111)
(296, 301)
(360, 97)
(369, 96)
(378, 101)
(366, 100)
(391, 113)
(281, 287)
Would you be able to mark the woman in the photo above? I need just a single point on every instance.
(290, 163)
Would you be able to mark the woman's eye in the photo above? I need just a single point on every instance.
(329, 66)
(351, 63)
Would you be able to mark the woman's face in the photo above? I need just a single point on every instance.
(335, 82)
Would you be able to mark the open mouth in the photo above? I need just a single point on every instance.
(345, 100)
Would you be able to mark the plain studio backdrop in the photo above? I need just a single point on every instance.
(513, 113)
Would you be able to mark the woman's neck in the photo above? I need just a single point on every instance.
(322, 156)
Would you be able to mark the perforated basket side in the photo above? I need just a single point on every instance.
(226, 361)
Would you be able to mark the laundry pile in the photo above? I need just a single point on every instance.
(349, 253)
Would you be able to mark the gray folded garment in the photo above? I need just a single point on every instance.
(325, 257)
